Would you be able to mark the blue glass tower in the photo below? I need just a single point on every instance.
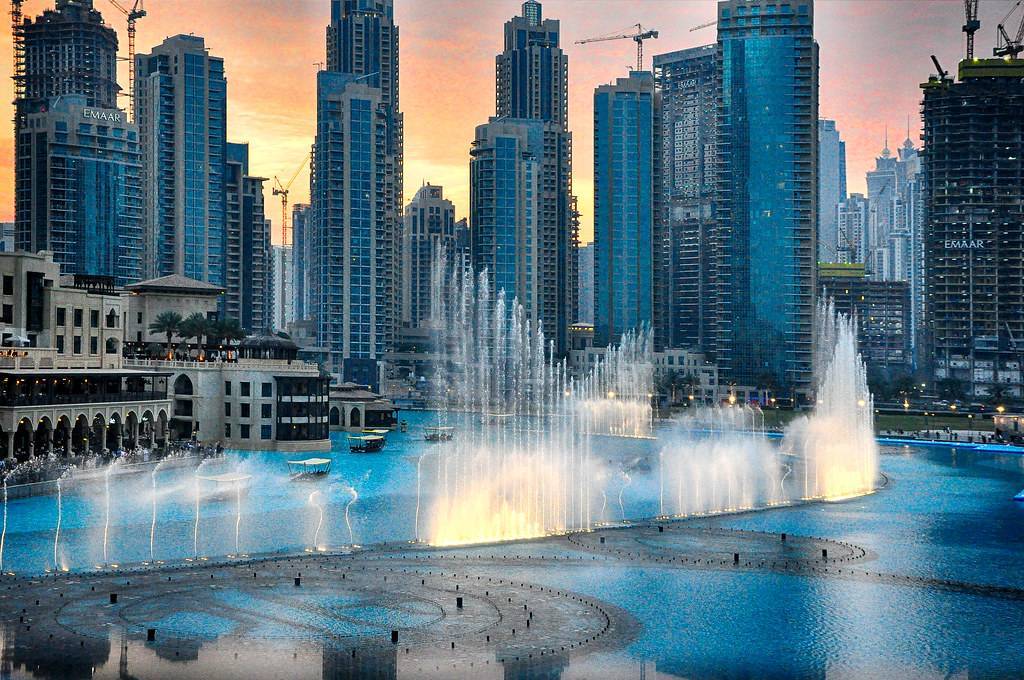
(79, 186)
(767, 198)
(181, 106)
(626, 142)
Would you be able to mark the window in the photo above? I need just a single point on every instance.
(8, 285)
(245, 388)
(76, 345)
(138, 318)
(60, 344)
(267, 389)
(227, 387)
(227, 430)
(245, 410)
(111, 319)
(227, 409)
(265, 431)
(94, 318)
(78, 318)
(266, 410)
(61, 316)
(8, 314)
(94, 345)
(245, 431)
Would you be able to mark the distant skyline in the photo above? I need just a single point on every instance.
(874, 54)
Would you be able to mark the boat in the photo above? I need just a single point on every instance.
(1019, 497)
(311, 468)
(439, 434)
(381, 432)
(227, 486)
(365, 443)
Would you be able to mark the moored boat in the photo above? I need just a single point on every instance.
(365, 443)
(311, 468)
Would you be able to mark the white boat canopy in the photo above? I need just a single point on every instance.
(311, 462)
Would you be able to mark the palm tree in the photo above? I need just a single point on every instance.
(195, 326)
(166, 323)
(229, 330)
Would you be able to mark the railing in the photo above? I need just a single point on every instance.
(60, 399)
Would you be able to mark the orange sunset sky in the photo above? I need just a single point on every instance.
(874, 54)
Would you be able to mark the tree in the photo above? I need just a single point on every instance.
(228, 330)
(950, 388)
(195, 326)
(166, 323)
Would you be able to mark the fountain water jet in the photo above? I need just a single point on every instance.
(3, 534)
(56, 533)
(315, 499)
(524, 464)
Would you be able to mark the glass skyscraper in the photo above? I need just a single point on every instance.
(428, 232)
(78, 172)
(531, 76)
(79, 189)
(831, 188)
(626, 204)
(351, 282)
(767, 194)
(181, 106)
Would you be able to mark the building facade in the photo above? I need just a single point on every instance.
(181, 111)
(78, 188)
(532, 72)
(767, 194)
(428, 234)
(831, 188)
(882, 312)
(300, 260)
(684, 236)
(518, 222)
(626, 205)
(585, 257)
(973, 163)
(352, 268)
(248, 268)
(282, 300)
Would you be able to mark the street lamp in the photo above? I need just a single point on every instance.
(1000, 409)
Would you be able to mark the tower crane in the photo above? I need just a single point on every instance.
(638, 36)
(704, 25)
(972, 25)
(1005, 45)
(282, 191)
(133, 15)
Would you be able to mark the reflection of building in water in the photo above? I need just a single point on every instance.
(369, 663)
(31, 654)
(179, 650)
(548, 668)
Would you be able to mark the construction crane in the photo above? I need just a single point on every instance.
(704, 25)
(282, 191)
(972, 25)
(638, 36)
(133, 15)
(1005, 45)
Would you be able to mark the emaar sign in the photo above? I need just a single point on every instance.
(964, 244)
(102, 114)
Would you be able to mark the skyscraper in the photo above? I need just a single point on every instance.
(248, 264)
(77, 164)
(626, 204)
(532, 73)
(532, 119)
(684, 236)
(354, 228)
(767, 190)
(67, 50)
(831, 188)
(428, 233)
(79, 189)
(301, 256)
(586, 284)
(974, 235)
(352, 264)
(181, 107)
(852, 217)
(282, 302)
